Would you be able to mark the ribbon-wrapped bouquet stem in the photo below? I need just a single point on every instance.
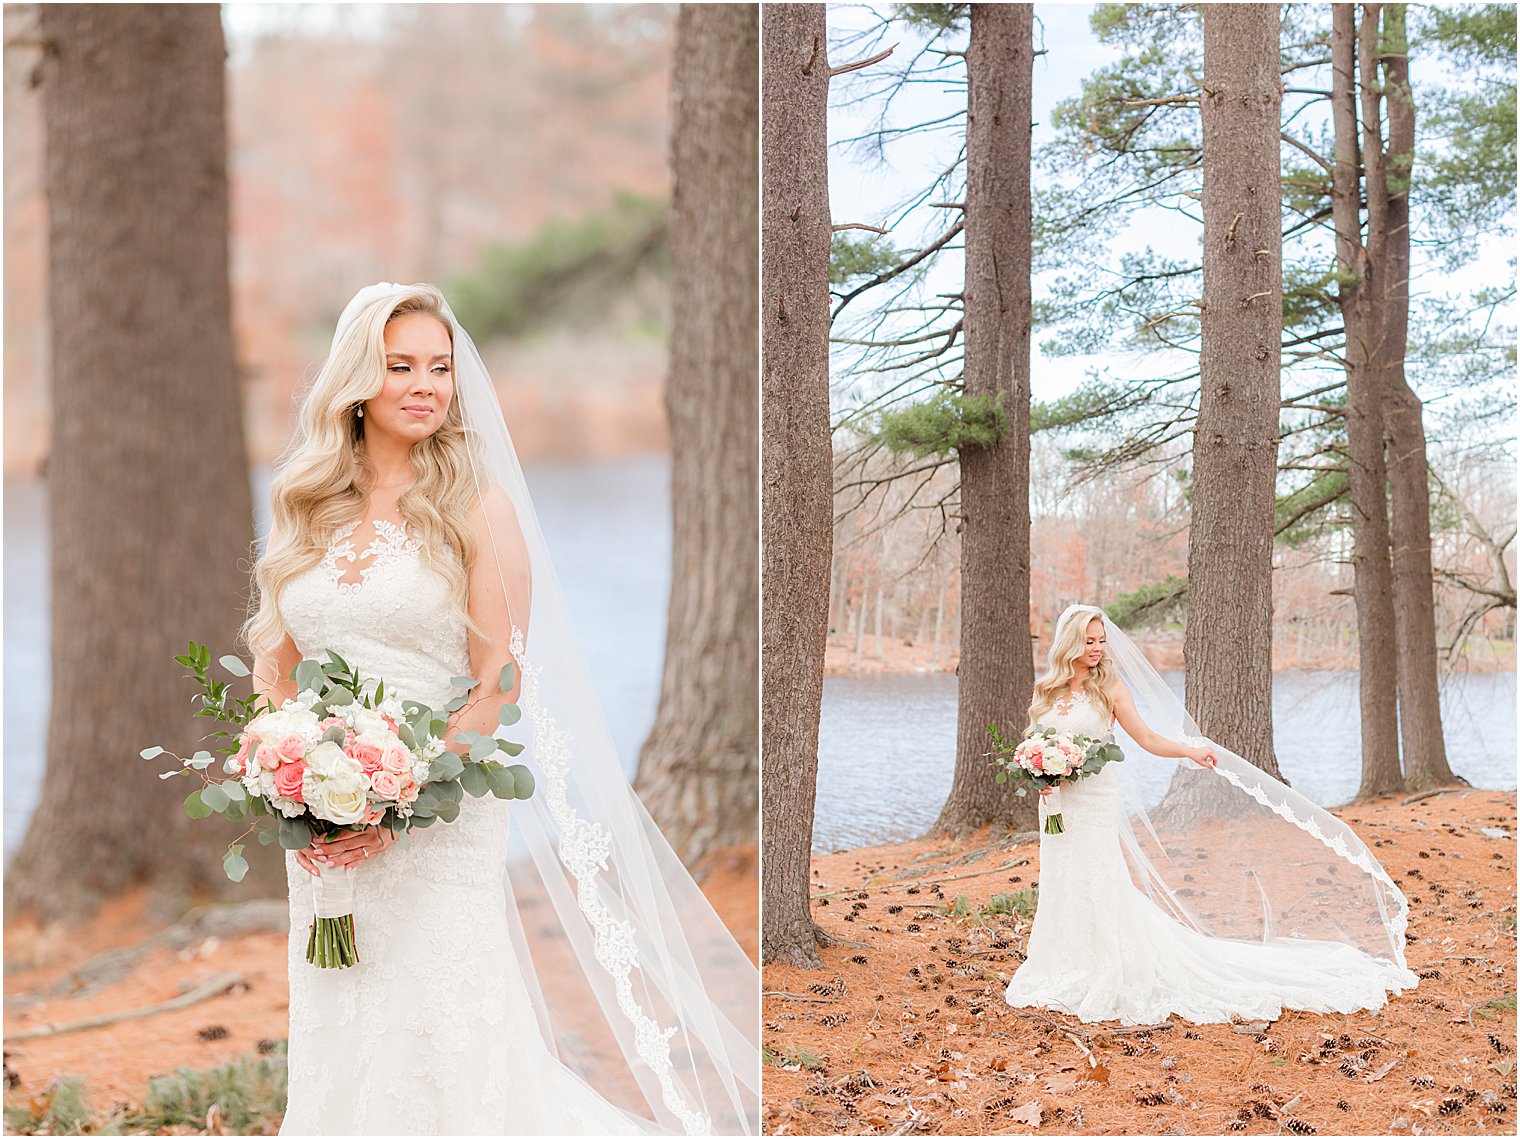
(342, 755)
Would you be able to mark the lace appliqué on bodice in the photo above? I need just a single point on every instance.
(395, 622)
(1077, 713)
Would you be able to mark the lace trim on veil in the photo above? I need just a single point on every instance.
(1361, 859)
(584, 847)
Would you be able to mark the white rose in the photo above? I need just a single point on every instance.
(327, 759)
(341, 799)
(1054, 762)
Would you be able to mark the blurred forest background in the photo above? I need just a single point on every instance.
(513, 155)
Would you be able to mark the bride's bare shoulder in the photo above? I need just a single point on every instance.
(493, 507)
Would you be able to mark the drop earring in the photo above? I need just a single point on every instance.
(361, 411)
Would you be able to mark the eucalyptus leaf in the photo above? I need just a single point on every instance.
(234, 790)
(236, 867)
(421, 820)
(503, 786)
(294, 834)
(214, 797)
(233, 665)
(448, 812)
(465, 682)
(457, 703)
(474, 781)
(335, 734)
(509, 714)
(522, 779)
(151, 752)
(447, 766)
(266, 836)
(450, 792)
(405, 734)
(508, 677)
(309, 675)
(509, 747)
(195, 808)
(172, 774)
(483, 748)
(200, 760)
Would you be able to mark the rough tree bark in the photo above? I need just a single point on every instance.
(997, 664)
(1228, 638)
(797, 524)
(151, 512)
(1357, 267)
(1425, 764)
(699, 768)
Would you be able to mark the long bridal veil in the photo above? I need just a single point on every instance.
(1233, 852)
(641, 990)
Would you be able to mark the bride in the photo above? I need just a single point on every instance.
(1216, 894)
(535, 967)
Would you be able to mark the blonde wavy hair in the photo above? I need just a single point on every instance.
(1066, 649)
(317, 489)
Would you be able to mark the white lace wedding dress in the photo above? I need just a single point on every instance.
(432, 1032)
(1101, 950)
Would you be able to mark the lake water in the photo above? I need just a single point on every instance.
(608, 530)
(886, 750)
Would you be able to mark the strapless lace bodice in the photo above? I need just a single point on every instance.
(393, 622)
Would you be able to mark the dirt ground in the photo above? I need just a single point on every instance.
(117, 1061)
(908, 1032)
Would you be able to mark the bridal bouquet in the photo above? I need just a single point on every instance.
(1047, 759)
(339, 756)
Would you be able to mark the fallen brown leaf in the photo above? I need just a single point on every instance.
(1029, 1115)
(1374, 1077)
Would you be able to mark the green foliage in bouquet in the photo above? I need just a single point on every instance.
(1099, 753)
(451, 775)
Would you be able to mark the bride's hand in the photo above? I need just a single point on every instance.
(1202, 756)
(345, 849)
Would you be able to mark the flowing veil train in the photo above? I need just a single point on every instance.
(1233, 852)
(639, 988)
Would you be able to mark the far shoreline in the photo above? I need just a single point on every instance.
(901, 656)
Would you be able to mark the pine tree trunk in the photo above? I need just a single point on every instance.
(151, 517)
(1356, 265)
(997, 666)
(1425, 763)
(699, 768)
(797, 526)
(1228, 639)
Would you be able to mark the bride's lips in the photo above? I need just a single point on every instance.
(418, 411)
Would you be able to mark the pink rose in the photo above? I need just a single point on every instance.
(374, 816)
(390, 723)
(396, 761)
(247, 744)
(288, 780)
(1037, 761)
(290, 749)
(409, 789)
(367, 756)
(385, 784)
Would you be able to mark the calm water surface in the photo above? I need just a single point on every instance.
(886, 749)
(608, 529)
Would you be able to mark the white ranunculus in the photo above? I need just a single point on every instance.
(342, 798)
(1054, 762)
